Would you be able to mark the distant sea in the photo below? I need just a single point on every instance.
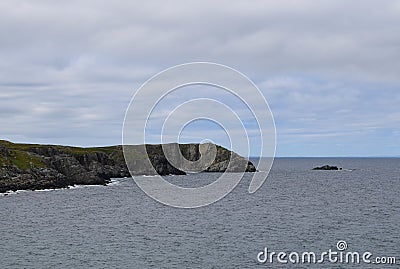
(297, 209)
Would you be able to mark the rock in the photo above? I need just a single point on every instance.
(47, 151)
(4, 151)
(237, 165)
(327, 167)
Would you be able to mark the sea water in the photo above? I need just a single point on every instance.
(296, 210)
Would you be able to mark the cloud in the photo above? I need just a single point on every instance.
(68, 70)
(334, 113)
(354, 39)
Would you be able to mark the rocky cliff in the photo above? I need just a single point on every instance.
(30, 166)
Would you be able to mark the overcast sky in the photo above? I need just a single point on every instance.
(330, 70)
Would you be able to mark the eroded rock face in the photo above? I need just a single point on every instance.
(12, 178)
(58, 166)
(4, 151)
(191, 152)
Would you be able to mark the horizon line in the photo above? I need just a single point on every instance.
(113, 145)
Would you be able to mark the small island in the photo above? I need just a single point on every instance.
(33, 166)
(327, 167)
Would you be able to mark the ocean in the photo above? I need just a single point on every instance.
(297, 210)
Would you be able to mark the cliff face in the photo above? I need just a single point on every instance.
(42, 166)
(190, 152)
(26, 166)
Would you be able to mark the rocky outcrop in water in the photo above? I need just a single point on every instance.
(25, 166)
(327, 167)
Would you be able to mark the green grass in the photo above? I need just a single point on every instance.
(66, 149)
(23, 160)
(11, 145)
(77, 150)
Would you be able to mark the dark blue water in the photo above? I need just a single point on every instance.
(297, 209)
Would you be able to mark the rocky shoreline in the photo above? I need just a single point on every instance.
(34, 167)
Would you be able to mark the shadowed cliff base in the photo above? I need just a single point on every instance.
(33, 166)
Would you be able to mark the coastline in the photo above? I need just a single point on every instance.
(38, 167)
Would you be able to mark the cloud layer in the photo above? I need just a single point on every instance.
(329, 69)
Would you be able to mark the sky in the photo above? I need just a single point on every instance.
(330, 70)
